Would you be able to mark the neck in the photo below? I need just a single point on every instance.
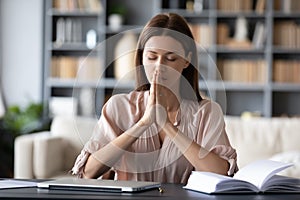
(173, 100)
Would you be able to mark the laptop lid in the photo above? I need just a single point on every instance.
(98, 185)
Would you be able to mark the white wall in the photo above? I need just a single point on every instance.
(21, 49)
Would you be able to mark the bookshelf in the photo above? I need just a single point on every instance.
(79, 71)
(249, 53)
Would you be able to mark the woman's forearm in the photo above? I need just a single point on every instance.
(102, 160)
(200, 158)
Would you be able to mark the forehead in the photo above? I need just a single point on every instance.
(164, 43)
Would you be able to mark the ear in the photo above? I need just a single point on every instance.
(188, 60)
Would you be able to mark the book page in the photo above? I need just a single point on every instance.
(279, 183)
(205, 181)
(209, 182)
(260, 171)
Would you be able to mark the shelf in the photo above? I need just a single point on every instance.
(286, 87)
(285, 50)
(69, 47)
(189, 14)
(244, 86)
(215, 85)
(291, 15)
(251, 14)
(264, 96)
(109, 31)
(102, 84)
(232, 86)
(241, 50)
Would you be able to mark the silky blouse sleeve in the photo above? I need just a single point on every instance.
(212, 134)
(105, 131)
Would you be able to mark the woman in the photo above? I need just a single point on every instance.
(164, 129)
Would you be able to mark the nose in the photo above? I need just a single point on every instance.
(160, 66)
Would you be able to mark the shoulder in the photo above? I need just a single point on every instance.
(207, 112)
(211, 113)
(203, 107)
(124, 110)
(210, 106)
(127, 99)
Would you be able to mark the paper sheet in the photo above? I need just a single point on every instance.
(9, 183)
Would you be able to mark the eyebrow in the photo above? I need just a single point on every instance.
(154, 52)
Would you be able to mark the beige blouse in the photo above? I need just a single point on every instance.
(148, 159)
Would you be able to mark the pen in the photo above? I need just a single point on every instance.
(160, 190)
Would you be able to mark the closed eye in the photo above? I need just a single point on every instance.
(151, 57)
(171, 59)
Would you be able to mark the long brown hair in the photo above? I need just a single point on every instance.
(173, 25)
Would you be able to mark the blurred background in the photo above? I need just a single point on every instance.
(67, 57)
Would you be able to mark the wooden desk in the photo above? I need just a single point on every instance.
(171, 191)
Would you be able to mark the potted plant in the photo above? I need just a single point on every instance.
(17, 121)
(116, 15)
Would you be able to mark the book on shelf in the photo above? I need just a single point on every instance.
(68, 30)
(248, 71)
(78, 5)
(286, 71)
(64, 67)
(257, 177)
(287, 6)
(202, 34)
(235, 5)
(71, 67)
(260, 6)
(259, 35)
(223, 31)
(287, 34)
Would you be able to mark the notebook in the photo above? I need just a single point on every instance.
(98, 185)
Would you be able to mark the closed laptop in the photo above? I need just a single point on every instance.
(100, 185)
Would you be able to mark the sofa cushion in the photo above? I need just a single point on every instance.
(290, 133)
(23, 154)
(47, 159)
(76, 130)
(253, 138)
(289, 157)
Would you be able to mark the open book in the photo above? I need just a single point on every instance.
(259, 176)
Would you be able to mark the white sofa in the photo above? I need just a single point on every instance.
(266, 138)
(52, 154)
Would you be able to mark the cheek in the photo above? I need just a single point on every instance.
(149, 70)
(174, 74)
(176, 69)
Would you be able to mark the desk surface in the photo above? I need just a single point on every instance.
(171, 191)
